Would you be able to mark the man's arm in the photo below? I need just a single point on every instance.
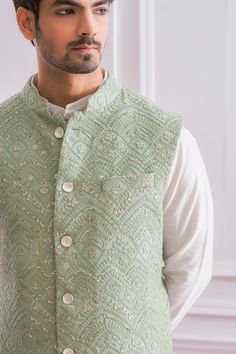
(188, 228)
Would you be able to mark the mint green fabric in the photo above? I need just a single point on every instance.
(118, 154)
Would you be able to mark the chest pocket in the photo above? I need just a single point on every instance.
(117, 185)
(130, 201)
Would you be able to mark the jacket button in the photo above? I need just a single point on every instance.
(67, 298)
(68, 186)
(59, 132)
(68, 351)
(66, 241)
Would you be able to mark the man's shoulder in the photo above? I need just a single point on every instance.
(10, 105)
(149, 107)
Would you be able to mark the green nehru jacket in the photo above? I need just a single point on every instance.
(81, 224)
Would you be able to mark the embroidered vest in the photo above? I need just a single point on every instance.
(81, 225)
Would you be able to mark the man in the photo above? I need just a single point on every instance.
(105, 211)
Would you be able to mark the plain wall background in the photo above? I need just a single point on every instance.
(182, 54)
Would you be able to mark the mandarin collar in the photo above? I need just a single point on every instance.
(96, 102)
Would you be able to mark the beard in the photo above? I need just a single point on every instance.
(69, 62)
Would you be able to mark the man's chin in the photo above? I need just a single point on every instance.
(79, 69)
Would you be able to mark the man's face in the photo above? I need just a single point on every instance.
(65, 25)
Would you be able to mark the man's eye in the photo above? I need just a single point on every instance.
(65, 12)
(102, 11)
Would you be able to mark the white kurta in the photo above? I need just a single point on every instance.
(188, 219)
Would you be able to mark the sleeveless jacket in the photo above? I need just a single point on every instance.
(81, 224)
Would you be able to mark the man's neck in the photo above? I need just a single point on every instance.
(64, 88)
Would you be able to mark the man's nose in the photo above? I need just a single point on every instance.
(87, 24)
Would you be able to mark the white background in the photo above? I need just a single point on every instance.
(181, 54)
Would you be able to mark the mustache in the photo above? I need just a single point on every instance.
(84, 41)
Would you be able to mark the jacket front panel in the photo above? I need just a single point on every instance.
(29, 163)
(116, 160)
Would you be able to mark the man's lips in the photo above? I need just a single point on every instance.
(84, 47)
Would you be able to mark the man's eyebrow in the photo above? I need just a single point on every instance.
(77, 4)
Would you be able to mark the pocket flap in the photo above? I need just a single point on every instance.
(118, 184)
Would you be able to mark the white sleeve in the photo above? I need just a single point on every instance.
(188, 228)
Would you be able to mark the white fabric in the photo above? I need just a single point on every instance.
(188, 228)
(188, 220)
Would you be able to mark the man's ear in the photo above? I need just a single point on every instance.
(26, 22)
